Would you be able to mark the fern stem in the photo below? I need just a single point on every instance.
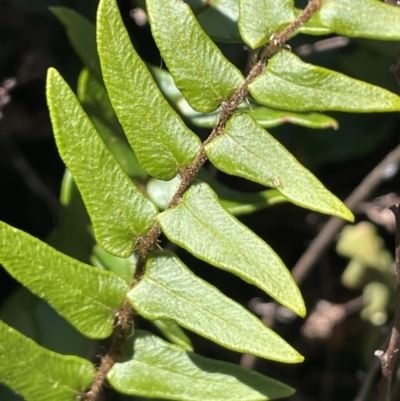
(146, 243)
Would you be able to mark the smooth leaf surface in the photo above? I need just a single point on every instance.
(94, 99)
(82, 35)
(160, 139)
(224, 242)
(38, 374)
(199, 69)
(364, 18)
(259, 19)
(118, 210)
(73, 235)
(84, 295)
(169, 290)
(288, 83)
(161, 370)
(245, 149)
(268, 118)
(123, 267)
(173, 332)
(219, 19)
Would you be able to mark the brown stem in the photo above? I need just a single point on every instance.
(122, 331)
(388, 358)
(146, 243)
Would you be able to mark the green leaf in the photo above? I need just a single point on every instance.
(288, 83)
(265, 116)
(94, 99)
(313, 26)
(169, 290)
(245, 149)
(82, 35)
(173, 333)
(38, 374)
(73, 235)
(187, 52)
(162, 370)
(259, 19)
(268, 118)
(118, 210)
(160, 139)
(36, 319)
(365, 18)
(362, 242)
(84, 295)
(224, 242)
(237, 203)
(123, 267)
(219, 19)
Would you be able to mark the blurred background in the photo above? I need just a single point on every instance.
(340, 335)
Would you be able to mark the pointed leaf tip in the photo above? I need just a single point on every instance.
(288, 83)
(245, 149)
(169, 290)
(159, 137)
(118, 210)
(224, 242)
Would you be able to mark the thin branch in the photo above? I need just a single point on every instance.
(333, 226)
(122, 331)
(388, 358)
(312, 254)
(146, 243)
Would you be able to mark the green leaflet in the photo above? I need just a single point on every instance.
(172, 331)
(199, 69)
(35, 318)
(245, 149)
(84, 295)
(161, 192)
(265, 116)
(288, 83)
(219, 19)
(118, 210)
(313, 26)
(73, 235)
(162, 370)
(82, 35)
(363, 18)
(160, 139)
(259, 19)
(169, 290)
(268, 118)
(94, 99)
(224, 242)
(39, 374)
(122, 267)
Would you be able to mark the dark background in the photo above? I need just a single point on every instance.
(32, 39)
